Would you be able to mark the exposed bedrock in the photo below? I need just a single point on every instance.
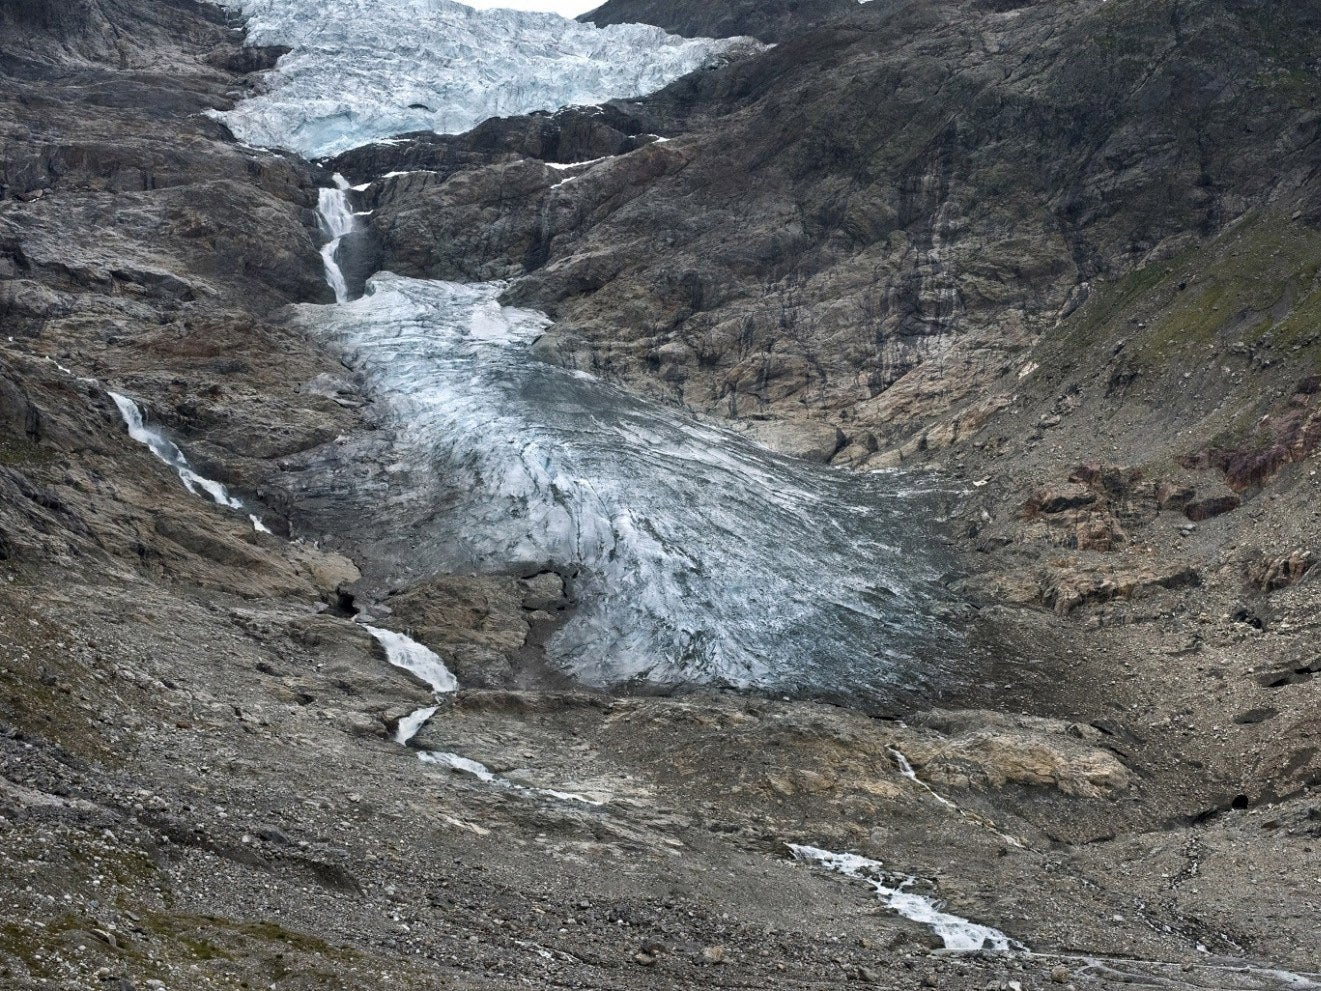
(873, 223)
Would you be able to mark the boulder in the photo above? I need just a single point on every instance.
(809, 441)
(1058, 498)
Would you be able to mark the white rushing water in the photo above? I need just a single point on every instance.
(955, 932)
(485, 775)
(337, 222)
(167, 451)
(412, 724)
(415, 658)
(700, 557)
(423, 662)
(462, 764)
(362, 70)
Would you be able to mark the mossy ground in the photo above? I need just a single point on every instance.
(1259, 278)
(19, 452)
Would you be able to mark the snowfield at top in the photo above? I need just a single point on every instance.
(364, 70)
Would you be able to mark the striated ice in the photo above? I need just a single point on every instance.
(698, 557)
(362, 70)
(955, 932)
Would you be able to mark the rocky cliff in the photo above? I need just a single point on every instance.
(870, 225)
(771, 21)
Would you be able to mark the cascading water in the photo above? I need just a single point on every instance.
(956, 933)
(337, 222)
(418, 660)
(424, 663)
(167, 451)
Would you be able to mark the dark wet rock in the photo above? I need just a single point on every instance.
(1206, 505)
(574, 134)
(766, 20)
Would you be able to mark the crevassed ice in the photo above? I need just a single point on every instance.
(955, 932)
(699, 557)
(167, 451)
(362, 70)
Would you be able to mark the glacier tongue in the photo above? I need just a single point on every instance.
(362, 70)
(699, 557)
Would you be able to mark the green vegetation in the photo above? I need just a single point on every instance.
(19, 452)
(1259, 277)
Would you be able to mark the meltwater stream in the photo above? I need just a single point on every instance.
(337, 223)
(155, 440)
(697, 557)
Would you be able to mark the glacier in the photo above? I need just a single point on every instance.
(695, 556)
(364, 70)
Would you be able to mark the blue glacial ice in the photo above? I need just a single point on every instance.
(698, 556)
(364, 70)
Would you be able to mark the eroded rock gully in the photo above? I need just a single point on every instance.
(1060, 256)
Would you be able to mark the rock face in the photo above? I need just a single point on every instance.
(774, 21)
(878, 270)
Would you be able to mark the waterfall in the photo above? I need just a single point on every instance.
(412, 724)
(421, 662)
(336, 222)
(405, 652)
(166, 450)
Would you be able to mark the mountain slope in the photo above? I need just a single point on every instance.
(201, 784)
(870, 224)
(771, 21)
